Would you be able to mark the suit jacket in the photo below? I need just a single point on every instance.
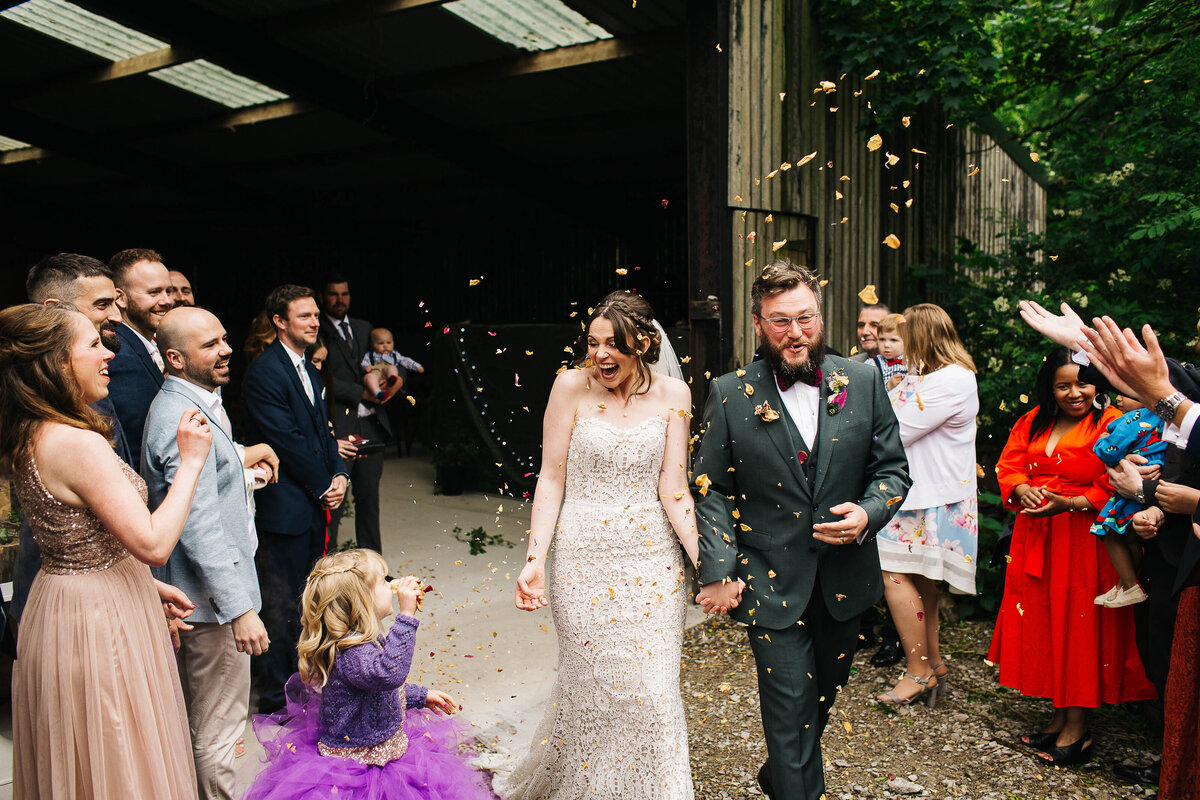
(343, 369)
(756, 518)
(276, 411)
(214, 561)
(134, 382)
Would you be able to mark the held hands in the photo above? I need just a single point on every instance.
(441, 702)
(531, 586)
(1030, 497)
(408, 594)
(1051, 504)
(1146, 522)
(250, 634)
(1176, 498)
(844, 531)
(719, 597)
(193, 437)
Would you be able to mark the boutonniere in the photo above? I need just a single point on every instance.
(766, 413)
(835, 398)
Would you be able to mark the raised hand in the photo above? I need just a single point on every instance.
(531, 586)
(193, 436)
(1065, 329)
(1134, 370)
(408, 594)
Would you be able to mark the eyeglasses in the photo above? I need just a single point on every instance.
(781, 324)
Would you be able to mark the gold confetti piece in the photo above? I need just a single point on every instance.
(906, 121)
(622, 271)
(750, 236)
(919, 152)
(749, 390)
(892, 241)
(1024, 398)
(838, 195)
(1034, 157)
(843, 220)
(772, 174)
(744, 526)
(782, 95)
(776, 245)
(895, 207)
(751, 261)
(806, 159)
(905, 184)
(973, 173)
(1008, 559)
(868, 295)
(875, 142)
(892, 159)
(846, 725)
(827, 87)
(737, 198)
(458, 563)
(473, 282)
(874, 74)
(601, 406)
(736, 514)
(412, 401)
(770, 573)
(703, 481)
(893, 500)
(740, 372)
(685, 360)
(908, 203)
(1054, 258)
(770, 218)
(1020, 610)
(679, 495)
(823, 283)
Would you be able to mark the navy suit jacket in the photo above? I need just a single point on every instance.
(277, 411)
(135, 381)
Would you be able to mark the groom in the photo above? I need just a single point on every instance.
(799, 466)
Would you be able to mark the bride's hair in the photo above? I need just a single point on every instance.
(337, 610)
(37, 383)
(632, 320)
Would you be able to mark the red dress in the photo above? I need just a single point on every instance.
(1051, 639)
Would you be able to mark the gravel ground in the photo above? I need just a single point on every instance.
(964, 748)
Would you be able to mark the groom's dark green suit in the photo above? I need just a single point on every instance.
(803, 597)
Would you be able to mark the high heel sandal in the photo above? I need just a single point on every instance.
(1077, 752)
(928, 693)
(943, 684)
(1038, 740)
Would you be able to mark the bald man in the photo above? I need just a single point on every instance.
(214, 560)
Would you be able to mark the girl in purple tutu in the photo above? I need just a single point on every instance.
(352, 727)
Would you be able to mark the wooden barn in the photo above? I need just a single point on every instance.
(480, 167)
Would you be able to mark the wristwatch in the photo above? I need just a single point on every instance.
(1165, 408)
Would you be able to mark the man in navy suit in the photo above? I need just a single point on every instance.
(284, 406)
(87, 284)
(137, 371)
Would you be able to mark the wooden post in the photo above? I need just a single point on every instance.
(710, 282)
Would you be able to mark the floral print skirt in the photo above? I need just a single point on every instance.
(940, 543)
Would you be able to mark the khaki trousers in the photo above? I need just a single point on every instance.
(216, 688)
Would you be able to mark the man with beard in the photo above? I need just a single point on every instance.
(87, 284)
(799, 466)
(180, 289)
(137, 371)
(214, 559)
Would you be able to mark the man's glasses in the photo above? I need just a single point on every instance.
(781, 324)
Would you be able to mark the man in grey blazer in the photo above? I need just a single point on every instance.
(214, 560)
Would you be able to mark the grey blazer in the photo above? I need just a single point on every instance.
(214, 561)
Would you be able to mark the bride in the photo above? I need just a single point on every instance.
(614, 473)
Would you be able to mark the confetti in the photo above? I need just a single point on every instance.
(806, 159)
(906, 121)
(868, 295)
(703, 482)
(892, 241)
(875, 142)
(874, 74)
(473, 282)
(1034, 157)
(775, 246)
(622, 271)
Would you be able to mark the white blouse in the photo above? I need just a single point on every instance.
(937, 425)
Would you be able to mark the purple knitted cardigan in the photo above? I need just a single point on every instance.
(360, 704)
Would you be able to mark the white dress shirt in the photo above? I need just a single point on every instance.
(801, 402)
(150, 346)
(299, 363)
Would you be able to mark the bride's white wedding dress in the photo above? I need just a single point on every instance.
(614, 729)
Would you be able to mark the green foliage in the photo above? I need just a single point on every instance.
(480, 540)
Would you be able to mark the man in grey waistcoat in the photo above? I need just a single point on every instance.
(214, 560)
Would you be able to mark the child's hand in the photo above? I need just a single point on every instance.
(441, 702)
(408, 594)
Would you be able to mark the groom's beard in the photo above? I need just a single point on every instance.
(109, 338)
(806, 371)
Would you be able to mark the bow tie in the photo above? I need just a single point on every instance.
(891, 362)
(784, 385)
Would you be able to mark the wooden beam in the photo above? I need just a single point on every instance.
(338, 13)
(578, 55)
(125, 68)
(24, 154)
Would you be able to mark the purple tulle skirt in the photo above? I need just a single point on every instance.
(435, 766)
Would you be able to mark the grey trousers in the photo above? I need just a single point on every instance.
(216, 689)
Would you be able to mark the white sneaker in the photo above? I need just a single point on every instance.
(1118, 597)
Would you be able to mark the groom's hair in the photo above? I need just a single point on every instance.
(780, 277)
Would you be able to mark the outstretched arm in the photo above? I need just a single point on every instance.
(557, 424)
(1065, 329)
(673, 477)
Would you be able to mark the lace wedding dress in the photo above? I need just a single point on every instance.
(614, 729)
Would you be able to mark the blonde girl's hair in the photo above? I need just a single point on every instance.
(337, 610)
(931, 341)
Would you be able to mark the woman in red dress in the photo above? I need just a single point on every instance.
(1051, 639)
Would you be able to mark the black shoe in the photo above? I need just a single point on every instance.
(764, 782)
(889, 654)
(1038, 740)
(1077, 752)
(1142, 776)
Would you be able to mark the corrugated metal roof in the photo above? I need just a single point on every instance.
(69, 23)
(529, 24)
(12, 144)
(219, 84)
